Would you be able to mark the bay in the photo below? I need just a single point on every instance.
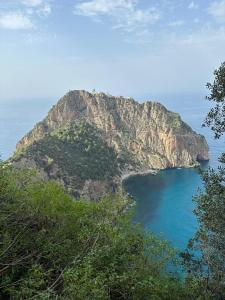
(164, 202)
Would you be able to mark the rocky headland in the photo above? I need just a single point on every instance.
(89, 142)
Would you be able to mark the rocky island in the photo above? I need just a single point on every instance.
(89, 141)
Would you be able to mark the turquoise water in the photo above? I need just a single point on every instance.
(164, 202)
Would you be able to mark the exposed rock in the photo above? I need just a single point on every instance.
(143, 136)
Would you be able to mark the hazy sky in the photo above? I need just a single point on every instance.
(129, 47)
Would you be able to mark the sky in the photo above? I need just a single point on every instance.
(122, 47)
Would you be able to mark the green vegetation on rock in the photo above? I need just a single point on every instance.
(139, 132)
(77, 153)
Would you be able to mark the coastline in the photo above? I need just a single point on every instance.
(127, 175)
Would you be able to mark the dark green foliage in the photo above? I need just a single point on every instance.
(78, 150)
(216, 116)
(52, 247)
(209, 241)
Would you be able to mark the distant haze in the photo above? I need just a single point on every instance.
(128, 47)
(18, 116)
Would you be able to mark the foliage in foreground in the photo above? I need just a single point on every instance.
(209, 241)
(52, 247)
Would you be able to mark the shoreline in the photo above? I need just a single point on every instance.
(127, 175)
(130, 174)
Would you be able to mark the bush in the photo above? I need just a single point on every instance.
(52, 247)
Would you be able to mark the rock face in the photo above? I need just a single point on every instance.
(143, 136)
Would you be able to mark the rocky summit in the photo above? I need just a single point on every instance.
(89, 140)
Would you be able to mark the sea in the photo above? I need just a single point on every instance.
(164, 202)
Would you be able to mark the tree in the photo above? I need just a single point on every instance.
(209, 240)
(53, 247)
(216, 117)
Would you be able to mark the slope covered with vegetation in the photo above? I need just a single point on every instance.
(75, 153)
(52, 247)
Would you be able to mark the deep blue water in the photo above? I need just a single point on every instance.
(164, 202)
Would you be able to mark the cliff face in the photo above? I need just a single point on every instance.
(143, 136)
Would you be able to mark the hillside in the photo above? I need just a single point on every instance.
(88, 140)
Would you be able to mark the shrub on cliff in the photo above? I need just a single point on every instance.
(77, 150)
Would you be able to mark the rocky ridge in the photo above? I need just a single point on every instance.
(138, 136)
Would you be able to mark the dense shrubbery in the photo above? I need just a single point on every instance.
(82, 133)
(78, 150)
(52, 247)
(209, 265)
